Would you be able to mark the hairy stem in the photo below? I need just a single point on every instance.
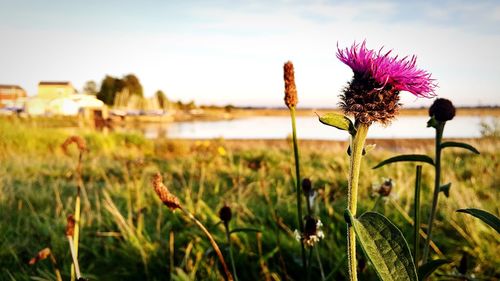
(416, 207)
(357, 144)
(437, 180)
(298, 186)
(212, 241)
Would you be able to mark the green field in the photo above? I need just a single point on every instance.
(126, 231)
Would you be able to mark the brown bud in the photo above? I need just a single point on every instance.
(442, 109)
(70, 225)
(225, 214)
(386, 188)
(43, 254)
(291, 98)
(170, 200)
(306, 187)
(80, 143)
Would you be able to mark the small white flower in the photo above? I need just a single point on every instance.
(297, 235)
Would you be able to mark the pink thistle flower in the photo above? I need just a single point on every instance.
(401, 74)
(373, 93)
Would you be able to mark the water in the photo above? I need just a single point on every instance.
(279, 127)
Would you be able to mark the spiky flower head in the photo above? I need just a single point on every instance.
(291, 98)
(312, 232)
(442, 109)
(373, 93)
(170, 200)
(225, 214)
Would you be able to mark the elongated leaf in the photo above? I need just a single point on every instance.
(406, 158)
(385, 247)
(460, 145)
(338, 121)
(245, 230)
(486, 217)
(427, 269)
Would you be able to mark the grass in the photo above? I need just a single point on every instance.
(126, 232)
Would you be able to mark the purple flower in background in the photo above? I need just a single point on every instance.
(373, 93)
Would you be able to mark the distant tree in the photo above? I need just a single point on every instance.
(162, 99)
(133, 84)
(110, 86)
(90, 88)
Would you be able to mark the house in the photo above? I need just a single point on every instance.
(60, 98)
(53, 90)
(11, 96)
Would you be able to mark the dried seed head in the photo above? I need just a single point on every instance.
(225, 214)
(291, 98)
(70, 225)
(170, 200)
(368, 101)
(442, 109)
(43, 254)
(80, 143)
(306, 187)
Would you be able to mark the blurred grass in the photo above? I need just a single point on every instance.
(125, 232)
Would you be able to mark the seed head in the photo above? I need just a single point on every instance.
(170, 200)
(442, 109)
(80, 144)
(70, 225)
(306, 187)
(225, 214)
(43, 254)
(291, 98)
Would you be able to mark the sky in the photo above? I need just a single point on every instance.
(232, 52)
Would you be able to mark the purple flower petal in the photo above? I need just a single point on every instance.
(401, 74)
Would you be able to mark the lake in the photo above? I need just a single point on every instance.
(279, 127)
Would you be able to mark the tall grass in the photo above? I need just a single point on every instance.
(126, 231)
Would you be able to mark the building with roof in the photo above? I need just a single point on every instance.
(11, 96)
(53, 90)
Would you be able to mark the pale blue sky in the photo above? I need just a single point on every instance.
(233, 51)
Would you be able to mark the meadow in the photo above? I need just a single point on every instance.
(127, 233)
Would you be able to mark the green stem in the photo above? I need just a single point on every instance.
(416, 216)
(226, 226)
(437, 180)
(298, 186)
(76, 235)
(357, 144)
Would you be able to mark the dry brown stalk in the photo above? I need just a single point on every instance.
(173, 203)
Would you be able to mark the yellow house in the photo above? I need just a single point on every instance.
(54, 90)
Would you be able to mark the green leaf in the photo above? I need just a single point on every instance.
(385, 247)
(445, 188)
(459, 145)
(338, 121)
(486, 217)
(245, 230)
(432, 123)
(406, 158)
(427, 269)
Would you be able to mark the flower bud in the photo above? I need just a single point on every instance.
(385, 189)
(442, 110)
(306, 187)
(225, 214)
